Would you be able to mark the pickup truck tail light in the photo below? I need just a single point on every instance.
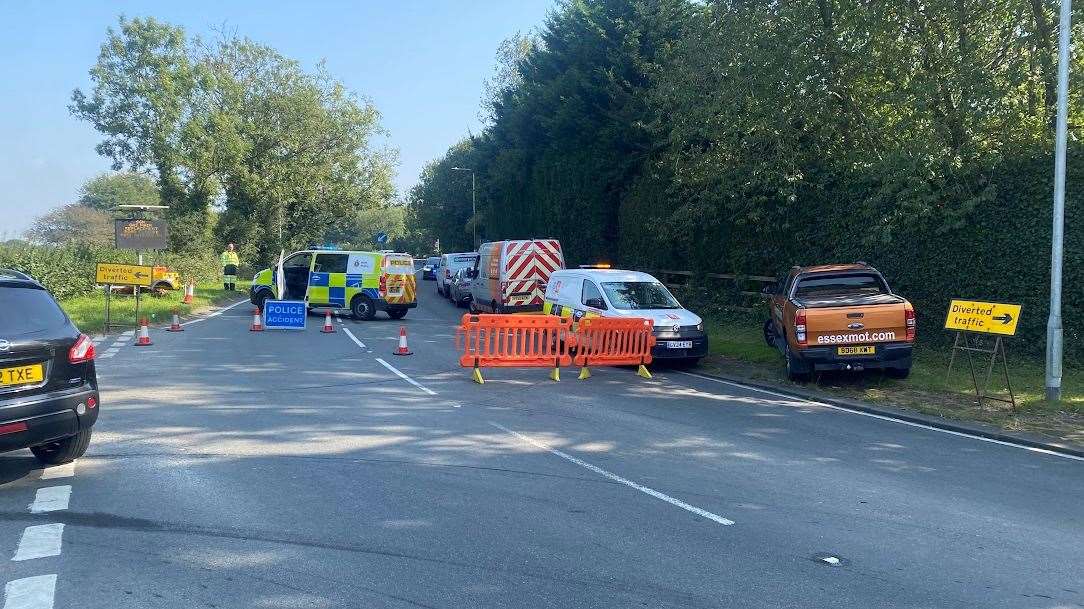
(909, 317)
(799, 328)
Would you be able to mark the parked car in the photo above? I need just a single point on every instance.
(460, 287)
(449, 264)
(429, 269)
(839, 317)
(511, 276)
(48, 384)
(603, 292)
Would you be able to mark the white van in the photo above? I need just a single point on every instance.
(595, 292)
(511, 276)
(449, 264)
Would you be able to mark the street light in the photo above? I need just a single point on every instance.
(473, 203)
(1054, 332)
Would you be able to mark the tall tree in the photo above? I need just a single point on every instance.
(108, 190)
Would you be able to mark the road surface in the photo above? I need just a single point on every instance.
(236, 469)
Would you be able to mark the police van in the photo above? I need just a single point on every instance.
(604, 292)
(363, 282)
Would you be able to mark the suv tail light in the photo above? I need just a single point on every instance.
(799, 327)
(82, 350)
(909, 320)
(383, 283)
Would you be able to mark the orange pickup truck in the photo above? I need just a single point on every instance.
(839, 317)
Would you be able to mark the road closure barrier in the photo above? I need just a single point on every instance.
(513, 341)
(614, 341)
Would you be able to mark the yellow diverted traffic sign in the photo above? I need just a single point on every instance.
(123, 274)
(985, 317)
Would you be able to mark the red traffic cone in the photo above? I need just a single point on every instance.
(144, 339)
(189, 290)
(403, 349)
(257, 321)
(176, 325)
(328, 328)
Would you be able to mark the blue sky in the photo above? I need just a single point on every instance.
(421, 62)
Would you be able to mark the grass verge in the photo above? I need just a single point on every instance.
(88, 311)
(738, 350)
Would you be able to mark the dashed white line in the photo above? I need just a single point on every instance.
(598, 470)
(408, 379)
(59, 471)
(39, 541)
(214, 314)
(128, 333)
(356, 340)
(30, 592)
(51, 499)
(886, 418)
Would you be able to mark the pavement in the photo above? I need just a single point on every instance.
(237, 469)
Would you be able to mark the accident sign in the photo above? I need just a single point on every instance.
(122, 274)
(985, 317)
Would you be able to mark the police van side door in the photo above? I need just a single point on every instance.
(295, 272)
(327, 281)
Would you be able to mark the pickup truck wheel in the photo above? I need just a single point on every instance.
(769, 333)
(796, 370)
(898, 373)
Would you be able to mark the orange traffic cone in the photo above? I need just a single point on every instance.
(403, 349)
(189, 292)
(328, 328)
(257, 321)
(144, 339)
(176, 325)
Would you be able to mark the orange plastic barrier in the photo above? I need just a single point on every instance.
(513, 341)
(614, 341)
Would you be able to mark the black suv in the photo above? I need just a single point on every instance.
(48, 386)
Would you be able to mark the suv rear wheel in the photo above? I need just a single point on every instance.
(63, 451)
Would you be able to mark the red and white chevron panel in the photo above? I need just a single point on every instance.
(529, 265)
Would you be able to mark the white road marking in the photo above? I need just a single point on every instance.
(30, 592)
(60, 471)
(128, 333)
(51, 499)
(117, 344)
(214, 314)
(356, 340)
(598, 470)
(408, 379)
(40, 541)
(886, 418)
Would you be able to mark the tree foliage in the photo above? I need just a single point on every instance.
(247, 146)
(73, 223)
(751, 136)
(107, 191)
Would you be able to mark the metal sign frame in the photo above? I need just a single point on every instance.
(981, 393)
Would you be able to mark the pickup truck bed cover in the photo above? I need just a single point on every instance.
(848, 300)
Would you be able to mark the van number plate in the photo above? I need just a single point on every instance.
(865, 350)
(679, 344)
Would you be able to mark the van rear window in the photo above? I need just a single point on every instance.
(399, 266)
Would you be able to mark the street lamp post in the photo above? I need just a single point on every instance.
(1054, 332)
(473, 203)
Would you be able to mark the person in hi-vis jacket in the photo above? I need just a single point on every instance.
(229, 268)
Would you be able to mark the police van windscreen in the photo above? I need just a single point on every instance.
(632, 295)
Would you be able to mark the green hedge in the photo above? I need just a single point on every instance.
(68, 271)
